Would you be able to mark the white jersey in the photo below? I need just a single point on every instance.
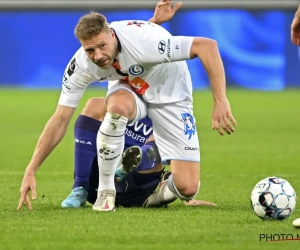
(146, 53)
(79, 73)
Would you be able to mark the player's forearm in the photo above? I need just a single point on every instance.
(207, 51)
(53, 133)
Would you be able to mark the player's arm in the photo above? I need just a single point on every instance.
(52, 134)
(75, 81)
(207, 51)
(164, 11)
(157, 46)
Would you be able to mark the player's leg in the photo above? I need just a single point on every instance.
(137, 158)
(85, 133)
(184, 181)
(180, 148)
(122, 105)
(93, 182)
(136, 187)
(133, 190)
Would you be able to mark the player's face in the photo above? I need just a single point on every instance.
(101, 49)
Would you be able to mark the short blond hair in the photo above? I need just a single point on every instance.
(91, 25)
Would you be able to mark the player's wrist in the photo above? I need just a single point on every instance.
(29, 172)
(153, 20)
(31, 169)
(220, 99)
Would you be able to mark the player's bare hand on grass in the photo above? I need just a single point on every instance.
(195, 203)
(222, 117)
(164, 11)
(28, 184)
(295, 31)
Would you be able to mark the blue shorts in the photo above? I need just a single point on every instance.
(132, 191)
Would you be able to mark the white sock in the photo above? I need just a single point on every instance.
(171, 191)
(110, 146)
(167, 194)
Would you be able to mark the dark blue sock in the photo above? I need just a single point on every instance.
(85, 134)
(149, 160)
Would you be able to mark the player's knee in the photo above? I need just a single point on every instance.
(184, 190)
(188, 189)
(95, 108)
(123, 110)
(122, 103)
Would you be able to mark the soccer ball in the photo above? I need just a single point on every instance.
(273, 198)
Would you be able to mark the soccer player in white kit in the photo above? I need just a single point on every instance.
(152, 62)
(80, 72)
(149, 61)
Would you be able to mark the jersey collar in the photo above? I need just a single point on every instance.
(119, 44)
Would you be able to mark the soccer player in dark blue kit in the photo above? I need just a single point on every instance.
(130, 184)
(140, 170)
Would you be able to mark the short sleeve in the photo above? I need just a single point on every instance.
(75, 80)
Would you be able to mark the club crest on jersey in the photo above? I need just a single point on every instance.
(136, 70)
(161, 47)
(189, 124)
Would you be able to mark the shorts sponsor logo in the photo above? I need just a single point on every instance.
(191, 149)
(136, 70)
(141, 128)
(189, 124)
(134, 136)
(138, 132)
(161, 47)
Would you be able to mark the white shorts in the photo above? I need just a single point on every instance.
(174, 126)
(141, 105)
(175, 133)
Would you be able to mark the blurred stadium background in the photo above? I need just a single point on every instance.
(37, 39)
(263, 73)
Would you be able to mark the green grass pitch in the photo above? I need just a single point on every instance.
(266, 143)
